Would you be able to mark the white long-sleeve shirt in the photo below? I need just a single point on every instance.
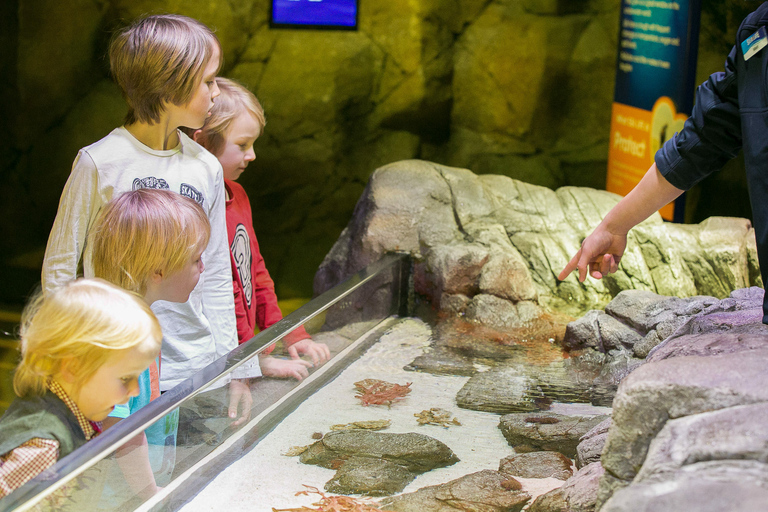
(202, 329)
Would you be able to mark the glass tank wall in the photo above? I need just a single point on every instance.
(109, 473)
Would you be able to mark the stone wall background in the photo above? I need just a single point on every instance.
(521, 88)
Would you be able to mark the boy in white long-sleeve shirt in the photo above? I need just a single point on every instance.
(166, 67)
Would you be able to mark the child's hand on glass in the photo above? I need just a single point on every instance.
(318, 352)
(284, 368)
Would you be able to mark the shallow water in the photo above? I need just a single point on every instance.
(264, 478)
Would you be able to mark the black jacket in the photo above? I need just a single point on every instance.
(730, 114)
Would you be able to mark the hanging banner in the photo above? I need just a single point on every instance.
(655, 82)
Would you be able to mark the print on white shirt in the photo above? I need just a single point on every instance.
(150, 182)
(185, 189)
(191, 192)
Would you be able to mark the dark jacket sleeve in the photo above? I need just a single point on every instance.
(711, 136)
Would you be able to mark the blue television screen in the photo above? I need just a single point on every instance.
(315, 13)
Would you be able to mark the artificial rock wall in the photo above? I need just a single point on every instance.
(520, 88)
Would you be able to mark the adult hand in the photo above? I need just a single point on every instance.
(239, 395)
(600, 254)
(601, 251)
(318, 352)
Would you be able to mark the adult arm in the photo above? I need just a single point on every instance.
(710, 137)
(602, 250)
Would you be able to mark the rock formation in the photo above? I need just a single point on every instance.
(679, 336)
(537, 465)
(484, 490)
(376, 464)
(547, 431)
(489, 248)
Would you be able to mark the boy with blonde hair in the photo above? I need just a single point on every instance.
(236, 121)
(166, 67)
(150, 242)
(83, 348)
(145, 238)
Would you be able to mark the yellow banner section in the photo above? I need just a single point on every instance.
(636, 135)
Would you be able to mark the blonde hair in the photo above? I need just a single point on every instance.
(87, 320)
(145, 231)
(160, 59)
(234, 98)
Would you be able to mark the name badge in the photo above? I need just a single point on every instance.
(754, 43)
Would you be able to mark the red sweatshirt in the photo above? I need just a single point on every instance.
(255, 299)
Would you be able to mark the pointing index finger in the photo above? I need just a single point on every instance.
(570, 267)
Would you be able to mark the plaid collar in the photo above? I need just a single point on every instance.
(89, 428)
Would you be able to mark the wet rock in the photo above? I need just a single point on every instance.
(722, 240)
(642, 310)
(740, 314)
(474, 339)
(528, 384)
(501, 390)
(639, 324)
(481, 491)
(552, 501)
(501, 314)
(362, 425)
(505, 274)
(547, 430)
(577, 494)
(580, 491)
(568, 380)
(673, 388)
(442, 361)
(415, 452)
(369, 476)
(451, 269)
(617, 365)
(600, 331)
(591, 444)
(649, 341)
(373, 463)
(454, 304)
(751, 296)
(537, 465)
(742, 308)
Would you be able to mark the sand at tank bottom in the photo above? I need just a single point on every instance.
(264, 478)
